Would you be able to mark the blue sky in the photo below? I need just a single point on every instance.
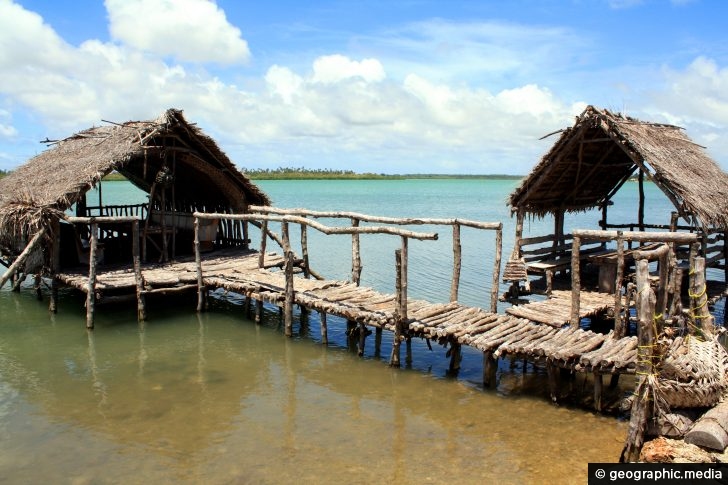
(396, 87)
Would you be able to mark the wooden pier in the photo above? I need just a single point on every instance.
(539, 332)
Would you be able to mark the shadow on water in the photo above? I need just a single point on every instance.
(216, 398)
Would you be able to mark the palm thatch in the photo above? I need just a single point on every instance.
(50, 183)
(594, 158)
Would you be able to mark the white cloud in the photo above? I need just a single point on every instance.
(188, 30)
(335, 68)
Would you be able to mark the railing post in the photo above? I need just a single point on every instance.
(575, 282)
(619, 323)
(394, 358)
(496, 270)
(263, 241)
(699, 298)
(457, 262)
(288, 269)
(91, 288)
(355, 255)
(304, 250)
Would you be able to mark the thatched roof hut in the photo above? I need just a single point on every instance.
(589, 164)
(181, 168)
(591, 161)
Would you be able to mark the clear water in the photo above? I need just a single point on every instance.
(216, 399)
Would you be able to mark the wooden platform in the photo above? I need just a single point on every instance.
(518, 332)
(556, 310)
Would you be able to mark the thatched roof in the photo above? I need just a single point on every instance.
(61, 175)
(592, 159)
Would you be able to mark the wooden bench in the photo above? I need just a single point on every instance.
(542, 256)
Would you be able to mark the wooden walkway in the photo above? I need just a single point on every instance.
(516, 333)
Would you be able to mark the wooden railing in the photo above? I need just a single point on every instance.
(265, 215)
(456, 224)
(668, 266)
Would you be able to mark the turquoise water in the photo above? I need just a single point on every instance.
(213, 398)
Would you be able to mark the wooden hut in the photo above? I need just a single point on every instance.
(183, 170)
(589, 163)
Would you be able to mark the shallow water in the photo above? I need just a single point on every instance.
(216, 399)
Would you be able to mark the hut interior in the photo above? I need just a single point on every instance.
(589, 163)
(180, 168)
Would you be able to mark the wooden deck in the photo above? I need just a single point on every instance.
(518, 332)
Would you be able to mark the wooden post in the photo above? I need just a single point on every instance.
(641, 210)
(403, 301)
(490, 368)
(598, 386)
(324, 329)
(408, 352)
(304, 250)
(673, 221)
(457, 262)
(91, 285)
(699, 299)
(55, 265)
(663, 288)
(646, 341)
(288, 268)
(258, 311)
(263, 240)
(198, 266)
(355, 255)
(141, 304)
(378, 342)
(455, 357)
(575, 282)
(246, 236)
(362, 338)
(496, 270)
(394, 358)
(620, 325)
(553, 374)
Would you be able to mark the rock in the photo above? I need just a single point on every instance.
(666, 450)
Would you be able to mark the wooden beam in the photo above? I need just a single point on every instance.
(23, 256)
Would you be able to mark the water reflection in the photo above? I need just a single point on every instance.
(216, 398)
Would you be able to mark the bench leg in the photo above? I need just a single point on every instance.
(549, 281)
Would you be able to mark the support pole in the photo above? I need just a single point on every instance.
(575, 282)
(699, 299)
(198, 265)
(641, 210)
(496, 270)
(598, 387)
(394, 358)
(263, 240)
(457, 262)
(646, 341)
(620, 325)
(490, 367)
(91, 285)
(324, 329)
(355, 255)
(288, 269)
(141, 303)
(55, 265)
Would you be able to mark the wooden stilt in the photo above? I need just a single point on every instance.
(553, 373)
(457, 262)
(455, 357)
(55, 265)
(362, 339)
(141, 300)
(620, 325)
(490, 367)
(394, 358)
(288, 269)
(263, 240)
(575, 282)
(496, 269)
(258, 311)
(22, 257)
(646, 338)
(408, 352)
(614, 381)
(91, 288)
(324, 329)
(378, 342)
(598, 386)
(198, 264)
(699, 299)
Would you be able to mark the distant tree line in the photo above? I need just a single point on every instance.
(3, 173)
(293, 173)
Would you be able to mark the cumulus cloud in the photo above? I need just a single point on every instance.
(335, 68)
(188, 30)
